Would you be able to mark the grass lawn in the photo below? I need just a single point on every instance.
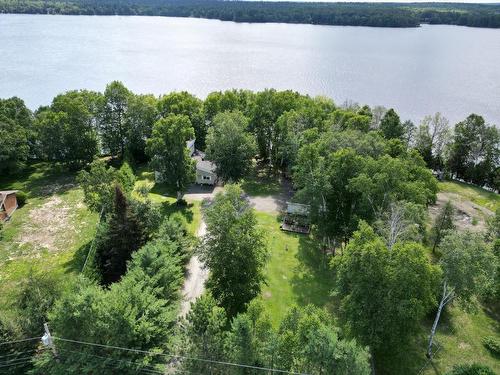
(295, 272)
(261, 182)
(53, 231)
(50, 233)
(475, 194)
(158, 194)
(296, 275)
(460, 336)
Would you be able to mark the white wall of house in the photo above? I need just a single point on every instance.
(205, 178)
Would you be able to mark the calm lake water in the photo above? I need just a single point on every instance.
(454, 70)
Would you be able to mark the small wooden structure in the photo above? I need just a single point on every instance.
(8, 204)
(296, 218)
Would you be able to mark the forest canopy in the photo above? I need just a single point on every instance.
(351, 14)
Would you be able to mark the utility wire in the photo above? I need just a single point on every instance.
(23, 340)
(19, 362)
(181, 357)
(147, 368)
(140, 366)
(15, 359)
(17, 353)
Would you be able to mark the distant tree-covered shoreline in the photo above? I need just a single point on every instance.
(343, 14)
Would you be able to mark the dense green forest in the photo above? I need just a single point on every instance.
(390, 275)
(353, 14)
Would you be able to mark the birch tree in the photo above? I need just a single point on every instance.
(469, 266)
(383, 293)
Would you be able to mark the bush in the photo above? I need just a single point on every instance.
(473, 369)
(126, 177)
(492, 344)
(22, 197)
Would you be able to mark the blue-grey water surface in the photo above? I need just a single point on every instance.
(418, 71)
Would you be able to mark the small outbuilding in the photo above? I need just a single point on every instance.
(296, 218)
(8, 204)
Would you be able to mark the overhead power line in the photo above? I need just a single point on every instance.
(22, 340)
(180, 357)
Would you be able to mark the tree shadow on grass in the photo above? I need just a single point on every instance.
(75, 264)
(262, 182)
(168, 208)
(313, 280)
(40, 180)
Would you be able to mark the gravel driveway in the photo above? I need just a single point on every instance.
(197, 275)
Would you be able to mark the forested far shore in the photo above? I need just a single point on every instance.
(343, 14)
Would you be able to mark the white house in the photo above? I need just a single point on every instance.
(205, 170)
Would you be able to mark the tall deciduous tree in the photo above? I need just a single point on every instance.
(184, 103)
(469, 268)
(113, 116)
(234, 250)
(169, 154)
(67, 129)
(142, 113)
(17, 142)
(432, 138)
(14, 147)
(98, 184)
(366, 272)
(229, 145)
(269, 106)
(475, 152)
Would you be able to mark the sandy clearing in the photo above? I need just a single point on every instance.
(48, 225)
(465, 212)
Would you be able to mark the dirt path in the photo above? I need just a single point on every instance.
(197, 275)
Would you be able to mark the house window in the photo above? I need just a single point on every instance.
(207, 178)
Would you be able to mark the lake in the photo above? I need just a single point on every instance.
(418, 71)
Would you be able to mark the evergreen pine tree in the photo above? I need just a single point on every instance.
(124, 236)
(443, 223)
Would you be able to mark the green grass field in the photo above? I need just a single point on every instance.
(472, 193)
(296, 273)
(50, 233)
(53, 231)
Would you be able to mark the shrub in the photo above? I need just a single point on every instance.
(472, 369)
(492, 344)
(22, 197)
(126, 177)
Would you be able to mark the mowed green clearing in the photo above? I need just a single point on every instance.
(53, 232)
(460, 333)
(482, 197)
(50, 234)
(297, 275)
